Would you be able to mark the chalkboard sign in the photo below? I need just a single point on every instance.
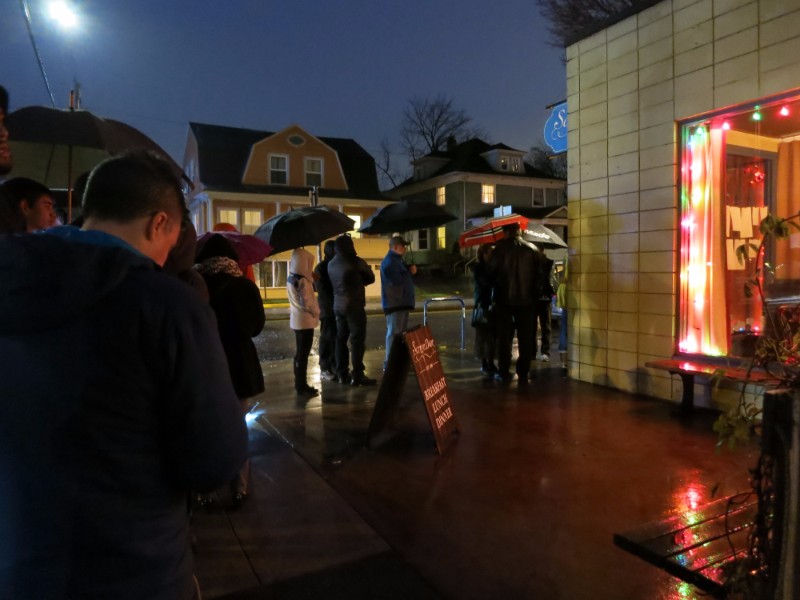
(416, 348)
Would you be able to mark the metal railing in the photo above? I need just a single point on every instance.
(447, 299)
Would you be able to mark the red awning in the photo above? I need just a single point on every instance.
(490, 231)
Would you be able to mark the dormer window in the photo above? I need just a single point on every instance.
(313, 172)
(516, 164)
(278, 169)
(504, 163)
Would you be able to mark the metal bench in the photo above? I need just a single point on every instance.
(688, 369)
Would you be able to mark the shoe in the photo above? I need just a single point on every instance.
(545, 358)
(503, 377)
(327, 375)
(342, 378)
(306, 390)
(363, 380)
(238, 499)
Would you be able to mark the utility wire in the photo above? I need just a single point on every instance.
(27, 14)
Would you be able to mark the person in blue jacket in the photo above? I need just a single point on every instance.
(397, 290)
(117, 400)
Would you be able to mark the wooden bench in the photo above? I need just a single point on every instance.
(695, 545)
(689, 368)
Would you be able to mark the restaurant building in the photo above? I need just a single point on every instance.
(684, 132)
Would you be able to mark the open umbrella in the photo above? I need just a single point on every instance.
(406, 216)
(305, 226)
(490, 231)
(249, 248)
(542, 236)
(54, 146)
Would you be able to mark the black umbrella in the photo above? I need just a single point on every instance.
(305, 226)
(54, 146)
(541, 236)
(406, 216)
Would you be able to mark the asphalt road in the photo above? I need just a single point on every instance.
(276, 342)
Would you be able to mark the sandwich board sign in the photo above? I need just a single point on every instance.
(416, 348)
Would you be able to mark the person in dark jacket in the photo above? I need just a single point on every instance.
(485, 332)
(240, 317)
(349, 276)
(397, 291)
(11, 219)
(543, 307)
(327, 318)
(127, 407)
(514, 268)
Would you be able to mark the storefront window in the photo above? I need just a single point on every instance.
(736, 167)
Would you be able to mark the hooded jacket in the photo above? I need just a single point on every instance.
(349, 275)
(515, 269)
(116, 403)
(303, 307)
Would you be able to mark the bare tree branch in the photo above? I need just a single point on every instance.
(388, 173)
(543, 160)
(429, 122)
(568, 18)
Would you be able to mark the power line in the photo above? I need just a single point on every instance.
(24, 5)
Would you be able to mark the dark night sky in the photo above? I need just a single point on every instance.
(337, 68)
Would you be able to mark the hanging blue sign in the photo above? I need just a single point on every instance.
(555, 129)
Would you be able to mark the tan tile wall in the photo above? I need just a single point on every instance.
(627, 86)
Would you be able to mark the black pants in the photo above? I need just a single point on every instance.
(352, 326)
(509, 319)
(303, 339)
(327, 343)
(542, 317)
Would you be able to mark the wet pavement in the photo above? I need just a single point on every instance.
(523, 505)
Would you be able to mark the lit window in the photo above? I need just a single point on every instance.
(228, 215)
(516, 164)
(355, 233)
(278, 170)
(252, 220)
(422, 239)
(441, 237)
(440, 195)
(487, 194)
(271, 273)
(734, 170)
(313, 172)
(504, 163)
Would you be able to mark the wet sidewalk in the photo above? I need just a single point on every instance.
(523, 505)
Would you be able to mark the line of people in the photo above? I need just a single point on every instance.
(512, 294)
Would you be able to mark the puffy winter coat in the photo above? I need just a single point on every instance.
(303, 307)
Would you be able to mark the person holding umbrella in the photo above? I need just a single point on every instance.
(303, 315)
(350, 275)
(397, 291)
(327, 318)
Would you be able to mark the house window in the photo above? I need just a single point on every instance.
(735, 169)
(271, 273)
(313, 172)
(441, 237)
(278, 169)
(440, 195)
(487, 194)
(422, 239)
(516, 164)
(355, 233)
(252, 220)
(504, 163)
(228, 215)
(551, 197)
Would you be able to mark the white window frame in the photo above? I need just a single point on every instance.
(245, 225)
(285, 171)
(357, 219)
(504, 163)
(421, 239)
(487, 193)
(441, 237)
(307, 172)
(233, 211)
(516, 164)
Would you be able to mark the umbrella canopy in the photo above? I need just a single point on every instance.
(54, 146)
(490, 231)
(249, 248)
(305, 226)
(541, 236)
(406, 216)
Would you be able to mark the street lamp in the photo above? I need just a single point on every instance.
(61, 13)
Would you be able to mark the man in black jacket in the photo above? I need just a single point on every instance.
(117, 401)
(514, 268)
(327, 318)
(349, 276)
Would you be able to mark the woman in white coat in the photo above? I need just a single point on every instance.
(303, 315)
